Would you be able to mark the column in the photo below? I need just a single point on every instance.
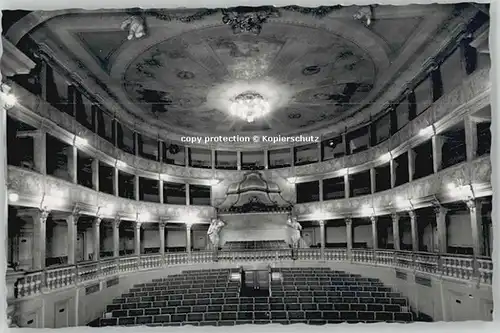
(266, 159)
(40, 151)
(115, 182)
(476, 225)
(4, 210)
(72, 223)
(441, 228)
(470, 137)
(437, 145)
(238, 160)
(39, 238)
(160, 190)
(320, 152)
(188, 241)
(322, 238)
(186, 156)
(96, 230)
(73, 163)
(116, 237)
(373, 181)
(411, 164)
(373, 220)
(137, 238)
(414, 230)
(95, 174)
(188, 195)
(160, 150)
(347, 187)
(292, 154)
(212, 159)
(395, 231)
(136, 143)
(392, 167)
(348, 225)
(321, 190)
(137, 188)
(162, 237)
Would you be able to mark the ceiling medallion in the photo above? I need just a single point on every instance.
(311, 70)
(249, 105)
(185, 75)
(247, 19)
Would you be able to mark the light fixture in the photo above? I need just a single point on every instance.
(249, 105)
(343, 172)
(143, 217)
(214, 181)
(385, 158)
(367, 210)
(8, 99)
(80, 141)
(13, 197)
(291, 180)
(108, 210)
(426, 131)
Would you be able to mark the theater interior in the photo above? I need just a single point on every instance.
(374, 205)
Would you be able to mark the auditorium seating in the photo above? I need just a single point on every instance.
(255, 245)
(298, 295)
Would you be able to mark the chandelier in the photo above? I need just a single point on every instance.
(249, 105)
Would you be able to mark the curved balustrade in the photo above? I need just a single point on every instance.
(33, 187)
(464, 268)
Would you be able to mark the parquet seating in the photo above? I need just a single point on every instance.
(313, 296)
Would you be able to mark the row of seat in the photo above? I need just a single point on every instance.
(183, 287)
(276, 293)
(328, 288)
(254, 307)
(337, 301)
(328, 283)
(178, 291)
(326, 278)
(192, 278)
(273, 315)
(277, 296)
(184, 282)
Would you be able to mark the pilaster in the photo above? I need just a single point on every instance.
(395, 231)
(414, 230)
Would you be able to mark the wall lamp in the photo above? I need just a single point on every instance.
(9, 99)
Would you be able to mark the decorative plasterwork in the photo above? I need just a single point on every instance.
(428, 26)
(254, 194)
(60, 195)
(14, 62)
(422, 193)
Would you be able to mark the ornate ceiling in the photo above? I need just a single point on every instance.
(316, 68)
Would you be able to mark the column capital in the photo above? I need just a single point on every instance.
(138, 225)
(321, 223)
(471, 204)
(348, 220)
(395, 217)
(373, 219)
(438, 209)
(162, 224)
(98, 220)
(412, 214)
(44, 214)
(188, 226)
(116, 222)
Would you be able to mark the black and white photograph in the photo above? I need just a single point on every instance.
(287, 166)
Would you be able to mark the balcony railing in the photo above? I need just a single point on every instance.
(465, 268)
